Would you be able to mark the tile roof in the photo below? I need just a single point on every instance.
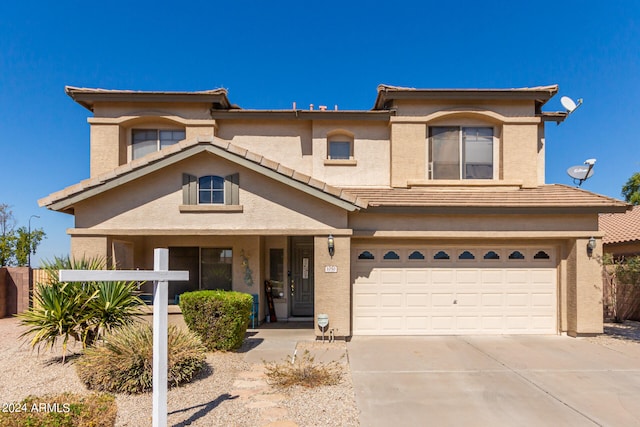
(541, 94)
(64, 199)
(620, 227)
(545, 196)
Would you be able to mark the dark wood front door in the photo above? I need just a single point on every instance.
(301, 280)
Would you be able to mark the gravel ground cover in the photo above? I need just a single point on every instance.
(229, 391)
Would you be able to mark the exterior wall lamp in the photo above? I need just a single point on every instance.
(331, 245)
(591, 245)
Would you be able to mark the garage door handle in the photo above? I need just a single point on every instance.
(455, 301)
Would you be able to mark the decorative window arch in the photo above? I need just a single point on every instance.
(366, 255)
(340, 145)
(491, 255)
(416, 255)
(466, 255)
(441, 255)
(541, 255)
(391, 255)
(516, 255)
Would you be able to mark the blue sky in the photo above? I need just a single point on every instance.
(270, 54)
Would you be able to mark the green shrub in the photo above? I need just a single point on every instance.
(220, 318)
(124, 362)
(84, 311)
(62, 410)
(303, 371)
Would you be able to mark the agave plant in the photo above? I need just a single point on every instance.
(84, 311)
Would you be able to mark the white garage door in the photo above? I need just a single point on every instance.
(454, 290)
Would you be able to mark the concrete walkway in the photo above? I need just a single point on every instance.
(494, 381)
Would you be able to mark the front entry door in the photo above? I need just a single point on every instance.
(301, 280)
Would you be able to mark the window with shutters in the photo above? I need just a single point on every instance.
(211, 193)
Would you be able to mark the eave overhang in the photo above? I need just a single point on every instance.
(539, 94)
(88, 97)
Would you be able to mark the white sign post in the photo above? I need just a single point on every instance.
(160, 275)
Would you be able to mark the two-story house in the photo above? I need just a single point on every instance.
(428, 214)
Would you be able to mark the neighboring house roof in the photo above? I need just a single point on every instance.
(549, 198)
(620, 227)
(65, 199)
(87, 97)
(540, 94)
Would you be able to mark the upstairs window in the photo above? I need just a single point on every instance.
(460, 152)
(146, 141)
(339, 145)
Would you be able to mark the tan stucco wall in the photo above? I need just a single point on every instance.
(90, 247)
(408, 153)
(333, 290)
(153, 201)
(472, 222)
(584, 289)
(520, 154)
(198, 111)
(505, 108)
(286, 142)
(105, 148)
(371, 151)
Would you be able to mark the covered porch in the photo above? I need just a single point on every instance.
(295, 276)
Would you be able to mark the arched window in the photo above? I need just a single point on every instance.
(466, 255)
(366, 255)
(416, 255)
(391, 255)
(491, 255)
(516, 255)
(339, 145)
(541, 255)
(210, 190)
(441, 255)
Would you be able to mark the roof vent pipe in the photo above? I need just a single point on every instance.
(335, 107)
(294, 105)
(310, 107)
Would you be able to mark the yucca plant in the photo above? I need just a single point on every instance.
(84, 311)
(123, 361)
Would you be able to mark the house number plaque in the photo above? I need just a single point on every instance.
(330, 268)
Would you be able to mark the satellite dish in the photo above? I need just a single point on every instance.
(569, 105)
(581, 173)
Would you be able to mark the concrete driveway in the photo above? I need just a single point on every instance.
(495, 381)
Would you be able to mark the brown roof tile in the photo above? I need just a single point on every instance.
(620, 227)
(139, 164)
(549, 196)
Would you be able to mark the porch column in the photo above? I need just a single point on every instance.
(333, 284)
(584, 289)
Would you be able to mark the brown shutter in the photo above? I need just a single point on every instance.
(232, 189)
(189, 189)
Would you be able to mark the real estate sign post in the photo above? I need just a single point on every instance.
(160, 276)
